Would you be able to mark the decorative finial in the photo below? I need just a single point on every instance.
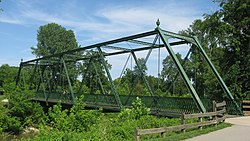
(158, 22)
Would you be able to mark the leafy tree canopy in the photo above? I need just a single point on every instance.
(7, 74)
(225, 36)
(53, 38)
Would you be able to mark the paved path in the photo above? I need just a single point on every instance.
(240, 131)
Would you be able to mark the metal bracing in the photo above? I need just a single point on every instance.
(69, 82)
(19, 71)
(178, 36)
(98, 79)
(118, 47)
(33, 74)
(141, 42)
(143, 77)
(215, 72)
(84, 74)
(183, 63)
(151, 45)
(164, 38)
(142, 74)
(110, 78)
(40, 79)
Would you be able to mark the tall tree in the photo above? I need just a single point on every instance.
(225, 36)
(236, 15)
(172, 81)
(53, 38)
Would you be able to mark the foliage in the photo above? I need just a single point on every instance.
(75, 124)
(53, 38)
(8, 123)
(225, 36)
(94, 72)
(7, 74)
(76, 119)
(20, 111)
(141, 68)
(138, 109)
(79, 124)
(172, 80)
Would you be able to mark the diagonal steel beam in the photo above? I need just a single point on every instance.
(178, 36)
(116, 48)
(223, 85)
(141, 42)
(117, 98)
(69, 82)
(164, 38)
(99, 79)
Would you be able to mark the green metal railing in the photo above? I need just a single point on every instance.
(170, 104)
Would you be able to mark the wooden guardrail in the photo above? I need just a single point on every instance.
(246, 107)
(216, 117)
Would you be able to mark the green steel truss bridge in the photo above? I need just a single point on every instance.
(50, 79)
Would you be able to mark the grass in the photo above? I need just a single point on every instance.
(177, 136)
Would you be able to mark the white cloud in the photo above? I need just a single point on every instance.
(11, 20)
(121, 19)
(139, 18)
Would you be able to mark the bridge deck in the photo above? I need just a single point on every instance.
(111, 107)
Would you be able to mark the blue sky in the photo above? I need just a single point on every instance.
(92, 21)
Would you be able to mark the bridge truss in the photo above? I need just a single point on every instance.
(49, 73)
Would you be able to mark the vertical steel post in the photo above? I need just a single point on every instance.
(181, 70)
(67, 75)
(33, 75)
(40, 79)
(19, 71)
(223, 85)
(110, 79)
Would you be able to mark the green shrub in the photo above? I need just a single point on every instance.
(137, 110)
(20, 111)
(75, 119)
